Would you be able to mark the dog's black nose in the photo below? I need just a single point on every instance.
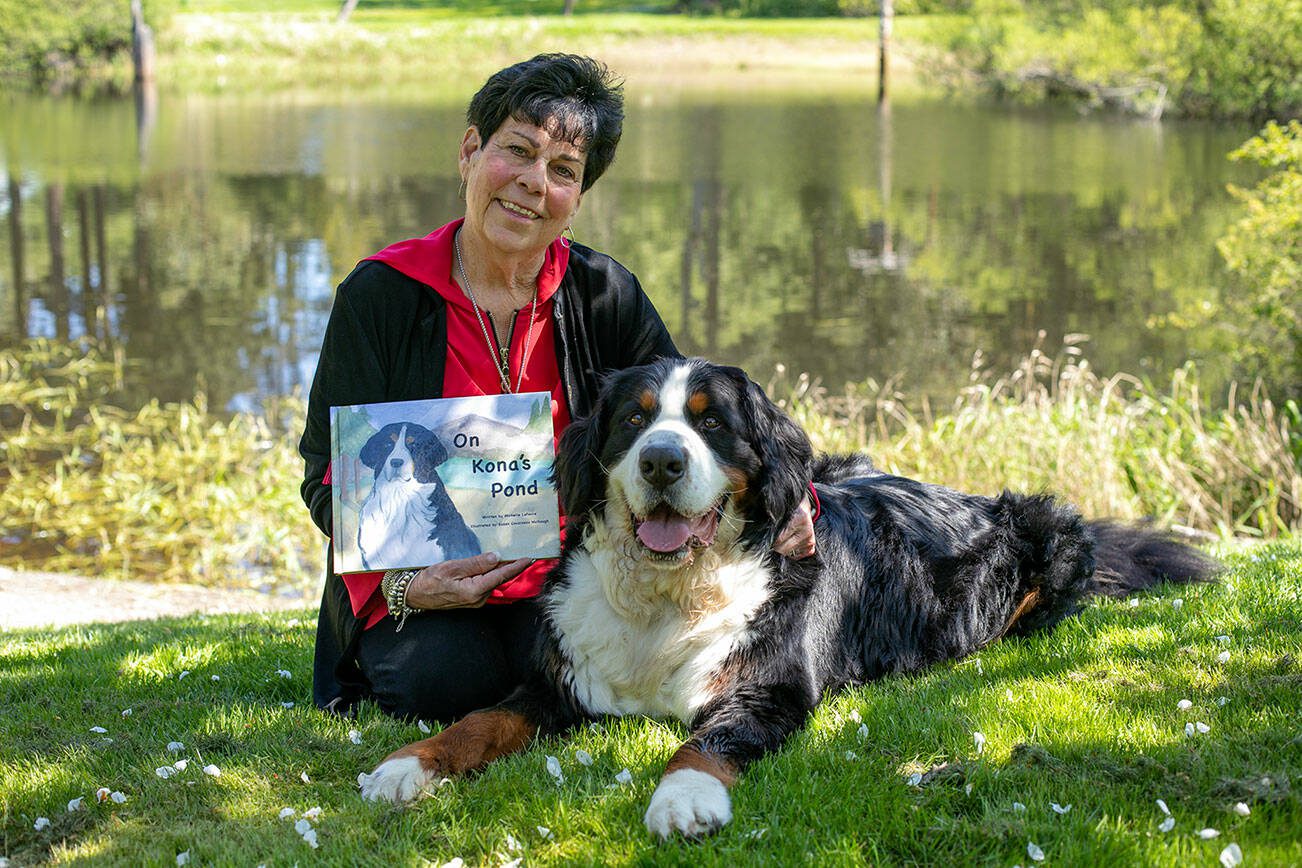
(662, 464)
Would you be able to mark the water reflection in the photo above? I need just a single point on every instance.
(820, 233)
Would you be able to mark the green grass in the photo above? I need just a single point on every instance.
(1086, 716)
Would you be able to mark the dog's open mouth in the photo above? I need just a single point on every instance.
(669, 535)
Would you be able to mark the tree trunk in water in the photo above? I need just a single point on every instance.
(58, 298)
(142, 45)
(16, 255)
(569, 7)
(884, 50)
(345, 9)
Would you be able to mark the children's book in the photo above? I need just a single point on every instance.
(416, 483)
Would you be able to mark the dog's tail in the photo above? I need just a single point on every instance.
(1130, 558)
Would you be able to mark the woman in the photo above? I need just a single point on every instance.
(494, 302)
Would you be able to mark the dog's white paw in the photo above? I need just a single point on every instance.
(394, 780)
(690, 803)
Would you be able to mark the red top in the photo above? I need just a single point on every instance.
(470, 370)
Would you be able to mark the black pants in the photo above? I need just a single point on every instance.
(446, 663)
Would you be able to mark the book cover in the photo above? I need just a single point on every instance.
(416, 483)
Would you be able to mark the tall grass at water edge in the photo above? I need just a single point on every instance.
(182, 492)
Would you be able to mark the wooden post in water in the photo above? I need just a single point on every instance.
(884, 50)
(58, 298)
(345, 9)
(142, 45)
(16, 255)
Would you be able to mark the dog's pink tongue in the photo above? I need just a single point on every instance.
(664, 531)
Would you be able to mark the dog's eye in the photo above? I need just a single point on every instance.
(710, 423)
(637, 420)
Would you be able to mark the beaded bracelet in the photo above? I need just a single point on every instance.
(394, 587)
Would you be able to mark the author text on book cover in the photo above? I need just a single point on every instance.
(420, 482)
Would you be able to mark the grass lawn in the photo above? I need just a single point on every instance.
(1087, 716)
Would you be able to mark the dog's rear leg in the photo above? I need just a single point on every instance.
(469, 744)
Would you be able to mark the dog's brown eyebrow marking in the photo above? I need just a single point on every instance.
(698, 402)
(647, 400)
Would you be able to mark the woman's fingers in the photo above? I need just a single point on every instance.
(466, 582)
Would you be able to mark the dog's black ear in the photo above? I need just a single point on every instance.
(378, 447)
(786, 461)
(428, 454)
(577, 473)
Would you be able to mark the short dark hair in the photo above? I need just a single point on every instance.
(576, 97)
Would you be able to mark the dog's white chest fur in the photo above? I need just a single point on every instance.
(634, 650)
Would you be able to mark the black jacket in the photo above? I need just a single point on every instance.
(386, 340)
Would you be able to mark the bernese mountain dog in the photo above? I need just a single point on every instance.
(669, 600)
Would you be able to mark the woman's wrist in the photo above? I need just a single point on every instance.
(394, 587)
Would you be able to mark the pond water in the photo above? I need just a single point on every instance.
(206, 235)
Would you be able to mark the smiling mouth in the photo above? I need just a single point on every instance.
(666, 534)
(519, 209)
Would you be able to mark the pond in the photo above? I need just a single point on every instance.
(205, 236)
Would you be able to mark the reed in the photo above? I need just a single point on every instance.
(180, 492)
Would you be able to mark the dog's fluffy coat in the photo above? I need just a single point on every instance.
(668, 599)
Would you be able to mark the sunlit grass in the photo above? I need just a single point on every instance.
(1086, 716)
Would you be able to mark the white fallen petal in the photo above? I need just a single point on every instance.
(554, 769)
(851, 756)
(1184, 705)
(456, 862)
(545, 833)
(118, 797)
(1242, 809)
(354, 736)
(181, 765)
(1134, 603)
(1231, 856)
(863, 732)
(1202, 727)
(286, 813)
(175, 746)
(286, 705)
(511, 843)
(624, 777)
(757, 834)
(854, 715)
(1189, 729)
(1163, 808)
(165, 772)
(914, 779)
(304, 778)
(75, 804)
(183, 858)
(126, 712)
(184, 672)
(1222, 639)
(514, 863)
(102, 794)
(98, 729)
(1222, 700)
(1034, 852)
(424, 727)
(302, 826)
(584, 758)
(284, 673)
(979, 740)
(1059, 809)
(1166, 825)
(41, 824)
(312, 813)
(1208, 834)
(1019, 807)
(1177, 603)
(216, 678)
(1223, 657)
(1008, 694)
(310, 837)
(967, 790)
(212, 770)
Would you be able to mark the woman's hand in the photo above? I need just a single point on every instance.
(461, 584)
(797, 538)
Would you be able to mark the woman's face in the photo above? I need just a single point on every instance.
(522, 186)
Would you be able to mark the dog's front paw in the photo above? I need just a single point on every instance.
(690, 803)
(395, 780)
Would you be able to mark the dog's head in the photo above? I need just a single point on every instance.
(684, 455)
(404, 451)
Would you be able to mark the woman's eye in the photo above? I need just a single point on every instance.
(518, 150)
(565, 172)
(637, 420)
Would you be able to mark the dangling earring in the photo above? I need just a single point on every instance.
(566, 242)
(461, 191)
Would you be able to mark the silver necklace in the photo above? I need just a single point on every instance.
(503, 364)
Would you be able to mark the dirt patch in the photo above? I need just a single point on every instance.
(31, 599)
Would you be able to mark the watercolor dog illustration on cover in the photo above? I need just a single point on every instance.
(420, 482)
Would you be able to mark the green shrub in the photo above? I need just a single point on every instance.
(62, 43)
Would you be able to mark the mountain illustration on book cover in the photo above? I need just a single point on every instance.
(415, 483)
